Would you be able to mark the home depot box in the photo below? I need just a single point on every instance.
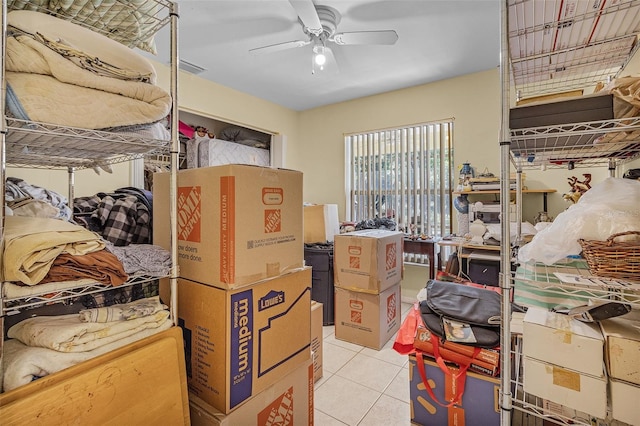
(321, 223)
(367, 319)
(369, 260)
(289, 401)
(624, 401)
(570, 388)
(239, 342)
(562, 341)
(480, 401)
(316, 338)
(237, 224)
(622, 348)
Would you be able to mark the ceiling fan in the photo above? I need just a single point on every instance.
(319, 23)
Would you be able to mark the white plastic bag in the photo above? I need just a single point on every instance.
(609, 207)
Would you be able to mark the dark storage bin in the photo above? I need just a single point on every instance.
(320, 258)
(485, 272)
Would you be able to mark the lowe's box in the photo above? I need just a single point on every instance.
(369, 260)
(289, 401)
(367, 319)
(480, 400)
(237, 224)
(239, 342)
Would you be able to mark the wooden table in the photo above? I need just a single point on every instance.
(468, 246)
(424, 247)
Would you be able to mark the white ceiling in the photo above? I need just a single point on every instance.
(437, 39)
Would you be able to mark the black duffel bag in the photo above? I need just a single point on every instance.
(462, 314)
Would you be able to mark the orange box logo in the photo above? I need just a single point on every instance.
(356, 317)
(279, 412)
(354, 262)
(392, 307)
(272, 221)
(272, 196)
(391, 256)
(189, 213)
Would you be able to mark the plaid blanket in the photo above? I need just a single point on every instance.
(120, 219)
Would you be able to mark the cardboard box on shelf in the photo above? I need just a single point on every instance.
(237, 224)
(570, 388)
(367, 319)
(622, 353)
(480, 401)
(289, 401)
(368, 261)
(624, 401)
(562, 341)
(316, 338)
(321, 223)
(239, 342)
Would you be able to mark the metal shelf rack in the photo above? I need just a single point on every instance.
(39, 145)
(551, 47)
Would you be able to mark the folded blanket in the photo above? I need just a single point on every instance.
(32, 244)
(23, 364)
(52, 88)
(66, 333)
(101, 266)
(125, 312)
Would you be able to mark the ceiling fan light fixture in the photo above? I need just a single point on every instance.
(319, 57)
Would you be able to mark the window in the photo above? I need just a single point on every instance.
(402, 174)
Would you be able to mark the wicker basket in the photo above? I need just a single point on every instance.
(613, 259)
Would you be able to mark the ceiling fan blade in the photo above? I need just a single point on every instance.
(278, 47)
(366, 37)
(308, 15)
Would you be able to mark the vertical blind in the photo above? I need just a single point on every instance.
(403, 174)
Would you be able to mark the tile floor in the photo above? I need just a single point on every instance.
(362, 386)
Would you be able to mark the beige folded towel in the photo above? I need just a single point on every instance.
(66, 333)
(32, 244)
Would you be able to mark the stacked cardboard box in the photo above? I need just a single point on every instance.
(321, 223)
(289, 401)
(622, 356)
(244, 295)
(368, 270)
(563, 361)
(316, 339)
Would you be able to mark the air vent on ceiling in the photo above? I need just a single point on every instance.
(189, 67)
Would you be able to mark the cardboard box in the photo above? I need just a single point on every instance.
(369, 260)
(316, 338)
(624, 402)
(570, 388)
(622, 348)
(480, 401)
(237, 224)
(239, 342)
(367, 319)
(289, 401)
(321, 223)
(562, 341)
